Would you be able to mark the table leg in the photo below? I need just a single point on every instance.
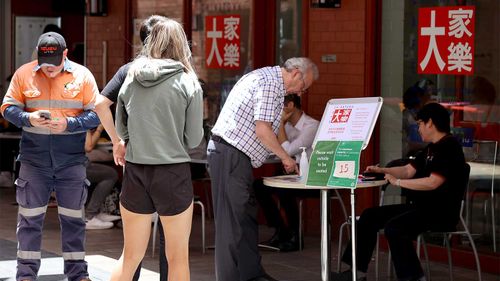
(325, 235)
(353, 234)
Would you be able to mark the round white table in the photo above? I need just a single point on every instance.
(294, 182)
(484, 171)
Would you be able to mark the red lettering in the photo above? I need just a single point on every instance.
(48, 49)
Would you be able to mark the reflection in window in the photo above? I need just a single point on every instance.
(219, 80)
(478, 93)
(289, 33)
(481, 102)
(473, 101)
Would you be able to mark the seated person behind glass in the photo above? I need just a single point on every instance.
(435, 181)
(413, 99)
(103, 177)
(296, 130)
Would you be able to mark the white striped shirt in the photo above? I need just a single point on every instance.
(258, 96)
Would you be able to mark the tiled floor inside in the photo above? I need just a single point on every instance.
(104, 247)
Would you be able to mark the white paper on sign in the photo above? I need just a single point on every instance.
(344, 169)
(351, 119)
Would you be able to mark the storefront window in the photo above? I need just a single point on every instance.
(473, 100)
(221, 44)
(288, 30)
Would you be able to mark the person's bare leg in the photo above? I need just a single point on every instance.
(177, 230)
(136, 231)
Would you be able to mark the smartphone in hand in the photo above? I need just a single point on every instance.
(45, 114)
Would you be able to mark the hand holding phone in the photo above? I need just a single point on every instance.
(44, 114)
(40, 118)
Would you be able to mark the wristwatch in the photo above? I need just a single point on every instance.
(398, 182)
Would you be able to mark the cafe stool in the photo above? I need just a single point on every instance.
(196, 201)
(205, 184)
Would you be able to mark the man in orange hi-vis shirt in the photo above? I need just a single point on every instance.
(52, 100)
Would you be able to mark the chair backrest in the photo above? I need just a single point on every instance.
(466, 180)
(485, 151)
(465, 189)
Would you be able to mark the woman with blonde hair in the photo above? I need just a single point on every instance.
(159, 116)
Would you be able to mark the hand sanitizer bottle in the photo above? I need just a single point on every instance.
(303, 165)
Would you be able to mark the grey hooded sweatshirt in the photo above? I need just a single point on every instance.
(159, 112)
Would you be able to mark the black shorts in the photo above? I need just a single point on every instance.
(165, 189)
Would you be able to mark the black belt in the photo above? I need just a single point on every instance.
(219, 139)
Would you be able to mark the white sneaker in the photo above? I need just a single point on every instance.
(108, 217)
(96, 223)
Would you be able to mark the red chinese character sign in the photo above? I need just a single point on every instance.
(341, 115)
(446, 40)
(222, 48)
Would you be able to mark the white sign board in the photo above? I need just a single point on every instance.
(349, 120)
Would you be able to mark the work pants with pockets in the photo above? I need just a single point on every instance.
(34, 187)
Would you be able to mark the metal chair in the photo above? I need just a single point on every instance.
(347, 223)
(447, 235)
(196, 201)
(485, 161)
(383, 188)
(205, 184)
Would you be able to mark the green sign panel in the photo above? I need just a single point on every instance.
(335, 164)
(320, 166)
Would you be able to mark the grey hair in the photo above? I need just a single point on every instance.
(303, 64)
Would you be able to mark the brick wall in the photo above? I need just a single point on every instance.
(171, 8)
(114, 29)
(341, 32)
(111, 29)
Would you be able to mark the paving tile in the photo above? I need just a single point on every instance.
(104, 247)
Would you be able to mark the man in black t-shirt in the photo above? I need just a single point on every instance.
(435, 182)
(108, 97)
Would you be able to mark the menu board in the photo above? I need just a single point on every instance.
(350, 119)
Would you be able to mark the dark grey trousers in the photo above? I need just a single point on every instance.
(235, 210)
